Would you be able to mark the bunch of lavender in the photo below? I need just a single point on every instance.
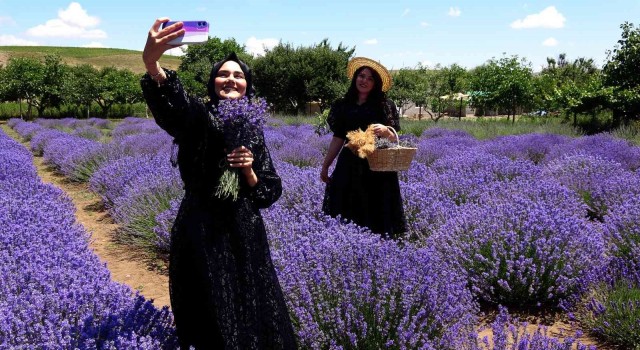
(384, 143)
(241, 121)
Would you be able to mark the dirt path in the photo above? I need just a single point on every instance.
(126, 265)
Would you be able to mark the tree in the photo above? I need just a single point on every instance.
(199, 59)
(568, 87)
(82, 86)
(116, 86)
(506, 83)
(326, 80)
(40, 84)
(404, 84)
(289, 77)
(622, 75)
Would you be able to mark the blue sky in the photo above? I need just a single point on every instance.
(396, 33)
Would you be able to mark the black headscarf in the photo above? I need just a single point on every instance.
(214, 72)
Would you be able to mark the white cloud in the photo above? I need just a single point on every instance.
(6, 21)
(550, 42)
(547, 18)
(10, 40)
(454, 11)
(406, 12)
(76, 16)
(74, 22)
(424, 24)
(93, 44)
(257, 46)
(177, 51)
(58, 28)
(371, 41)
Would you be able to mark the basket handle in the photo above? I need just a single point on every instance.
(395, 133)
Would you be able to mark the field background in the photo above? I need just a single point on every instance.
(97, 57)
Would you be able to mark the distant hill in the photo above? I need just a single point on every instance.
(97, 57)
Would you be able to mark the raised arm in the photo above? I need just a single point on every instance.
(172, 108)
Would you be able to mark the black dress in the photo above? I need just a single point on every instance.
(368, 198)
(223, 286)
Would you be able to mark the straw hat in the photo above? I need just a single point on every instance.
(358, 62)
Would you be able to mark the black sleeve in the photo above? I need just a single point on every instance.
(269, 186)
(172, 108)
(393, 118)
(336, 120)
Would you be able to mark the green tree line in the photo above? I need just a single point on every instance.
(290, 77)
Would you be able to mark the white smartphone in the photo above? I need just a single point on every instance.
(196, 32)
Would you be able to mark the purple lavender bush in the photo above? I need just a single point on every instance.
(601, 183)
(610, 309)
(144, 197)
(88, 132)
(523, 243)
(604, 146)
(70, 155)
(41, 138)
(26, 130)
(532, 147)
(163, 227)
(510, 333)
(347, 288)
(437, 143)
(55, 293)
(133, 125)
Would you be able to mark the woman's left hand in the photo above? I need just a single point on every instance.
(381, 130)
(240, 157)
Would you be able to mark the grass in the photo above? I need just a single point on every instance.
(486, 128)
(97, 57)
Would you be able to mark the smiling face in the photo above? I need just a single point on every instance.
(230, 81)
(365, 81)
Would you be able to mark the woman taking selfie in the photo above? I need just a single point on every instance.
(223, 286)
(368, 198)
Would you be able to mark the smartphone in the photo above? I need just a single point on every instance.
(196, 32)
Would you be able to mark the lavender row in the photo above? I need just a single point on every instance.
(55, 293)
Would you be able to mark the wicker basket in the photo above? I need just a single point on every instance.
(391, 159)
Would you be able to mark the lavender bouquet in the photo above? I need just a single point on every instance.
(241, 121)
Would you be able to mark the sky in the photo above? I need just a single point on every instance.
(398, 34)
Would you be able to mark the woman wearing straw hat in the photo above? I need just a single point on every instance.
(354, 192)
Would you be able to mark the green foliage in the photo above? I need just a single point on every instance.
(504, 84)
(82, 84)
(28, 79)
(290, 77)
(487, 128)
(116, 86)
(622, 74)
(612, 312)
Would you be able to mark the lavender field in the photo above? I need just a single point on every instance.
(535, 221)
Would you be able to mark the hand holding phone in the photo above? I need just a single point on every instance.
(196, 32)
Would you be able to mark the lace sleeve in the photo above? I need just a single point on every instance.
(269, 186)
(336, 121)
(393, 118)
(172, 108)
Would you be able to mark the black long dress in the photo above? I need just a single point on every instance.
(223, 286)
(368, 198)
